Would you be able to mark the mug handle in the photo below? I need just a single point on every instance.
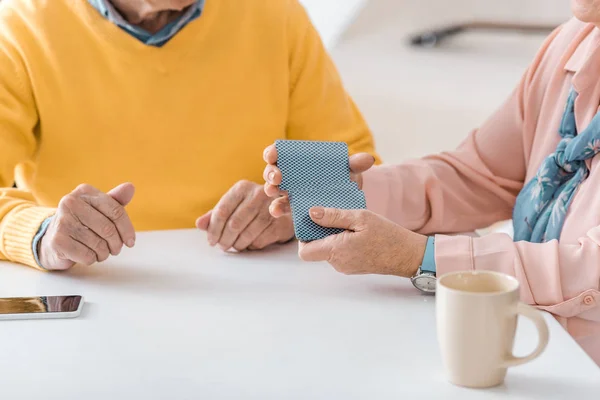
(536, 317)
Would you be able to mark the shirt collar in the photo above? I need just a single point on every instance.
(110, 12)
(583, 51)
(585, 59)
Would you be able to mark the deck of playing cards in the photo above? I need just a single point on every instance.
(316, 174)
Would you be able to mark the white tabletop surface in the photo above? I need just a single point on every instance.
(175, 319)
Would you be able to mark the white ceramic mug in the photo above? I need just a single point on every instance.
(476, 324)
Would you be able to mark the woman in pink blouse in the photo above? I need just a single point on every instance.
(535, 160)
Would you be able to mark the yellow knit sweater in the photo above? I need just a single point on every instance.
(81, 101)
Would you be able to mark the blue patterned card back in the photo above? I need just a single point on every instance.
(342, 195)
(306, 164)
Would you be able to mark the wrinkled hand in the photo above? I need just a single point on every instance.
(371, 244)
(88, 227)
(359, 163)
(241, 220)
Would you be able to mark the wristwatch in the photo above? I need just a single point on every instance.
(425, 278)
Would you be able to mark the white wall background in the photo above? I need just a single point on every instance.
(332, 17)
(542, 11)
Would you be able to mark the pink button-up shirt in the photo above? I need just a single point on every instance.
(477, 184)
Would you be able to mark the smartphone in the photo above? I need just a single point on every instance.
(41, 307)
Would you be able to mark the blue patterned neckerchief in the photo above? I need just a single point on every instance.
(541, 207)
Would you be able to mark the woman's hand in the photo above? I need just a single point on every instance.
(371, 244)
(359, 163)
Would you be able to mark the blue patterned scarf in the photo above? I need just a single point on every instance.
(542, 205)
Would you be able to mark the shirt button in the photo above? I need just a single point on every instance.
(588, 300)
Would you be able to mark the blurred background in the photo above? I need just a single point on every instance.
(420, 100)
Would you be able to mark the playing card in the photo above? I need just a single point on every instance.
(306, 164)
(342, 195)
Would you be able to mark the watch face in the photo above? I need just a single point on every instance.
(425, 283)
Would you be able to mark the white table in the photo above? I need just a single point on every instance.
(175, 319)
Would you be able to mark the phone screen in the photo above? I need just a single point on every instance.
(41, 304)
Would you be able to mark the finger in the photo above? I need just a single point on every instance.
(319, 250)
(241, 218)
(90, 239)
(70, 249)
(224, 210)
(84, 214)
(97, 223)
(270, 155)
(272, 175)
(361, 162)
(273, 191)
(268, 237)
(123, 193)
(114, 211)
(336, 218)
(257, 228)
(280, 207)
(203, 221)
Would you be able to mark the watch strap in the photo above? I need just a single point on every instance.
(428, 264)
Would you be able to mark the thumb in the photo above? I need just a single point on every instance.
(203, 222)
(123, 193)
(335, 217)
(361, 162)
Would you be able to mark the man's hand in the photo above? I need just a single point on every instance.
(371, 244)
(88, 226)
(359, 163)
(241, 220)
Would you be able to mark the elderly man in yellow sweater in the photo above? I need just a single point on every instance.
(178, 97)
